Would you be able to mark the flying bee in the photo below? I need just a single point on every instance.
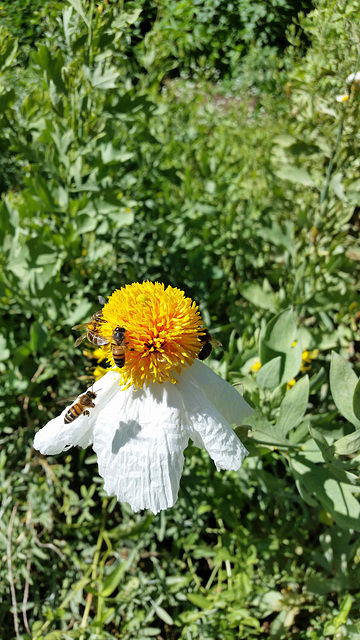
(80, 407)
(118, 346)
(208, 343)
(92, 329)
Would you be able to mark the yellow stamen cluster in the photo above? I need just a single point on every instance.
(162, 331)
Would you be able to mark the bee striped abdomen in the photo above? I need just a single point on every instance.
(118, 346)
(208, 342)
(73, 413)
(205, 351)
(80, 407)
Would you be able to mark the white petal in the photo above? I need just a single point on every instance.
(139, 443)
(57, 436)
(209, 428)
(342, 98)
(353, 77)
(226, 398)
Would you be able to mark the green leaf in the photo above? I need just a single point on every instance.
(5, 99)
(276, 236)
(348, 444)
(38, 336)
(281, 332)
(104, 79)
(293, 406)
(343, 384)
(163, 615)
(126, 19)
(356, 400)
(67, 13)
(337, 185)
(326, 449)
(295, 174)
(85, 222)
(280, 339)
(80, 10)
(260, 296)
(113, 580)
(4, 351)
(200, 601)
(262, 429)
(109, 154)
(8, 55)
(270, 374)
(335, 496)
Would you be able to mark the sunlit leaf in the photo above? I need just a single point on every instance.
(343, 382)
(293, 406)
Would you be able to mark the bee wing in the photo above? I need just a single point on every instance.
(82, 325)
(102, 300)
(101, 340)
(79, 340)
(66, 400)
(216, 343)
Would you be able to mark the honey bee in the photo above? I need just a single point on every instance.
(118, 346)
(92, 328)
(80, 407)
(208, 343)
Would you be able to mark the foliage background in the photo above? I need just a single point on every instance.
(200, 144)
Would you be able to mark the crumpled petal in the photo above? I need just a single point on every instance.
(57, 436)
(139, 442)
(140, 435)
(208, 428)
(226, 398)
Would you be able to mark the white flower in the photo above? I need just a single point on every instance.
(353, 78)
(157, 397)
(344, 97)
(139, 435)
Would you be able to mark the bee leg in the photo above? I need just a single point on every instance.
(86, 412)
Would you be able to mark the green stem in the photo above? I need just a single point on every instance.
(95, 565)
(331, 163)
(280, 447)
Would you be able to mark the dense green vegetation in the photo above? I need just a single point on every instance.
(200, 144)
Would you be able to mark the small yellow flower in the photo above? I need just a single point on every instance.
(291, 383)
(256, 366)
(307, 357)
(344, 97)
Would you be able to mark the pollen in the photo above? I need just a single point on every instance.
(162, 328)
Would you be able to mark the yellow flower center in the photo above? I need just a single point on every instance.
(162, 329)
